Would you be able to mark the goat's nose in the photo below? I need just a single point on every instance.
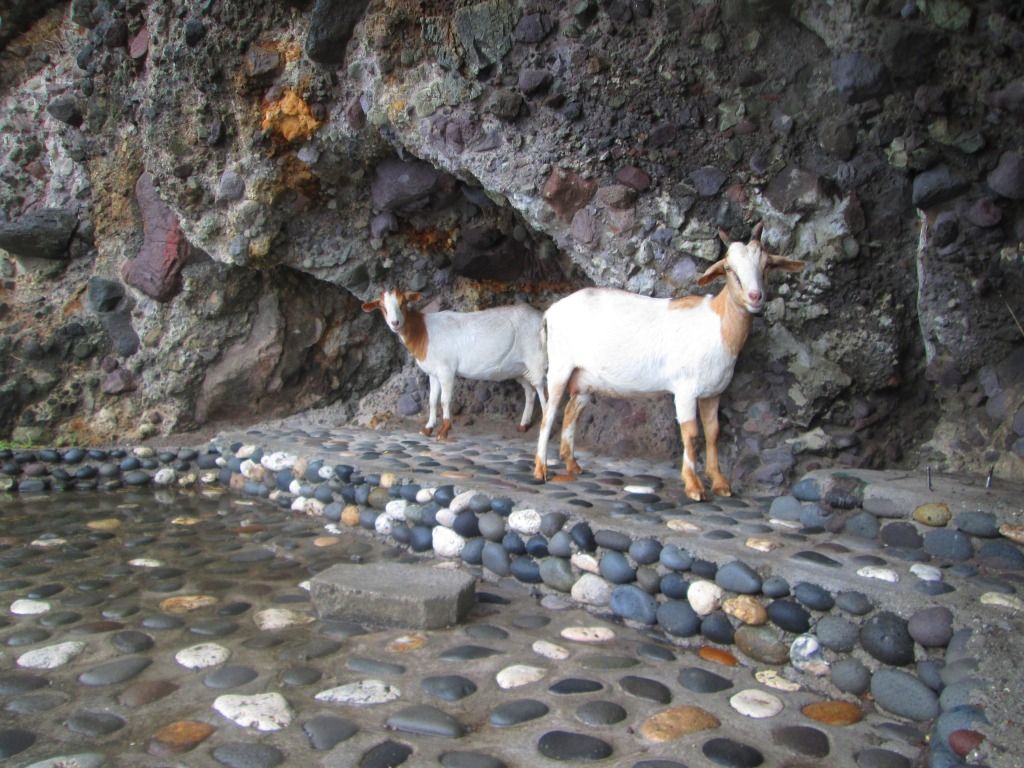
(755, 296)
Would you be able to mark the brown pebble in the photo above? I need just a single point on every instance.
(677, 722)
(145, 692)
(718, 656)
(965, 741)
(350, 516)
(178, 737)
(187, 603)
(834, 712)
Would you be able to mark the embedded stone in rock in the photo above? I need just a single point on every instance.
(156, 270)
(44, 234)
(932, 627)
(114, 672)
(330, 27)
(512, 713)
(1007, 179)
(567, 192)
(701, 681)
(858, 78)
(732, 754)
(885, 637)
(52, 656)
(393, 594)
(566, 746)
(802, 739)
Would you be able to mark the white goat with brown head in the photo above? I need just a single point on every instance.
(491, 345)
(606, 341)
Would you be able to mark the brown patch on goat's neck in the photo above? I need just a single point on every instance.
(736, 321)
(414, 334)
(686, 302)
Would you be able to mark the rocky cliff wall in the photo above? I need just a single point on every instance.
(198, 195)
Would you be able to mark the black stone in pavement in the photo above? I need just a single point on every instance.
(427, 720)
(732, 754)
(598, 713)
(297, 676)
(566, 746)
(248, 755)
(701, 681)
(27, 636)
(511, 713)
(94, 724)
(34, 703)
(373, 666)
(17, 683)
(470, 760)
(645, 688)
(790, 616)
(387, 754)
(802, 739)
(14, 741)
(131, 641)
(468, 653)
(885, 637)
(326, 731)
(230, 676)
(113, 672)
(448, 687)
(571, 685)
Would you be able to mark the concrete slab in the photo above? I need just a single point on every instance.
(393, 594)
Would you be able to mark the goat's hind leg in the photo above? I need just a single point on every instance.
(709, 418)
(567, 448)
(540, 462)
(524, 422)
(447, 386)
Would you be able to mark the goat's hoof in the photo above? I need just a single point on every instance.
(721, 490)
(696, 493)
(522, 427)
(427, 431)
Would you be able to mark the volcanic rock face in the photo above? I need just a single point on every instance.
(500, 150)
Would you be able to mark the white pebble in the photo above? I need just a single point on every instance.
(395, 509)
(144, 452)
(51, 656)
(446, 542)
(262, 711)
(445, 516)
(461, 502)
(250, 470)
(756, 703)
(639, 489)
(525, 521)
(145, 562)
(325, 472)
(27, 607)
(805, 653)
(878, 572)
(295, 488)
(423, 495)
(550, 650)
(588, 634)
(704, 597)
(518, 675)
(244, 452)
(202, 656)
(773, 679)
(278, 460)
(556, 603)
(46, 542)
(585, 562)
(1002, 600)
(785, 523)
(279, 618)
(382, 524)
(361, 694)
(164, 476)
(591, 589)
(926, 572)
(685, 526)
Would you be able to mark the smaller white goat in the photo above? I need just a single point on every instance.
(491, 345)
(612, 342)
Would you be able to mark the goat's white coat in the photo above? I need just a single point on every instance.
(494, 344)
(608, 341)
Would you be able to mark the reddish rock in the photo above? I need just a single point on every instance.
(145, 692)
(965, 741)
(138, 46)
(156, 270)
(634, 177)
(583, 228)
(566, 191)
(984, 213)
(616, 196)
(119, 381)
(178, 737)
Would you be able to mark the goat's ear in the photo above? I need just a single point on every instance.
(371, 306)
(786, 265)
(716, 270)
(756, 233)
(414, 296)
(724, 237)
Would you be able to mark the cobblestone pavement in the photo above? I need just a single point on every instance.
(158, 611)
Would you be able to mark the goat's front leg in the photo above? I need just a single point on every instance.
(447, 386)
(524, 422)
(686, 415)
(435, 397)
(709, 418)
(556, 386)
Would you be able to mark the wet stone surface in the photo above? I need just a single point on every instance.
(614, 620)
